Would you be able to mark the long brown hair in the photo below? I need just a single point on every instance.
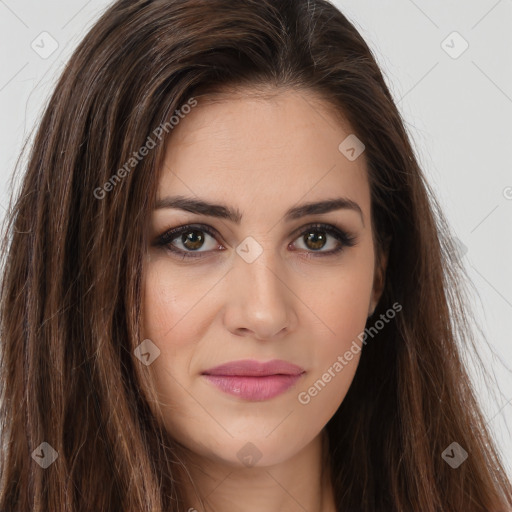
(73, 249)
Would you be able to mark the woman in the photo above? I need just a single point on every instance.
(227, 285)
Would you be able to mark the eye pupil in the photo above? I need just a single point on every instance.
(192, 236)
(192, 239)
(317, 239)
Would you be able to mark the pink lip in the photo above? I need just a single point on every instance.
(252, 380)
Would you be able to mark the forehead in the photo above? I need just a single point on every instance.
(246, 149)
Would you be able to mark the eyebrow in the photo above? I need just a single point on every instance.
(220, 211)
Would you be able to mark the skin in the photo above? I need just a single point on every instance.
(262, 156)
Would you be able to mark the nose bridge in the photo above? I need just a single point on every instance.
(257, 265)
(258, 299)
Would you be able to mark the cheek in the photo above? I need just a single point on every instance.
(339, 299)
(167, 310)
(340, 311)
(171, 298)
(169, 320)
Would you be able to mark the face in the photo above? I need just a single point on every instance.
(266, 286)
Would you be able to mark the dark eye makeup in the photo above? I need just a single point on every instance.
(165, 240)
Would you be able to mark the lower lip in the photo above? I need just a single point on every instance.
(253, 388)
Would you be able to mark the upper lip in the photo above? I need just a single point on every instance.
(253, 368)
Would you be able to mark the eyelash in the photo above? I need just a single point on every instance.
(164, 240)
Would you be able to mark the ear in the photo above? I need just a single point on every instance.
(379, 280)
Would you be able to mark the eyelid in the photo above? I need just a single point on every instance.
(344, 237)
(170, 234)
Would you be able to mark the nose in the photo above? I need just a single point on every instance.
(259, 302)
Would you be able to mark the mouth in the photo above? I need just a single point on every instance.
(253, 380)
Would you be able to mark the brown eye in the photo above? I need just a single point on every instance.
(316, 237)
(187, 240)
(192, 239)
(315, 240)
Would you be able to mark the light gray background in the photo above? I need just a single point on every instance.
(457, 107)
